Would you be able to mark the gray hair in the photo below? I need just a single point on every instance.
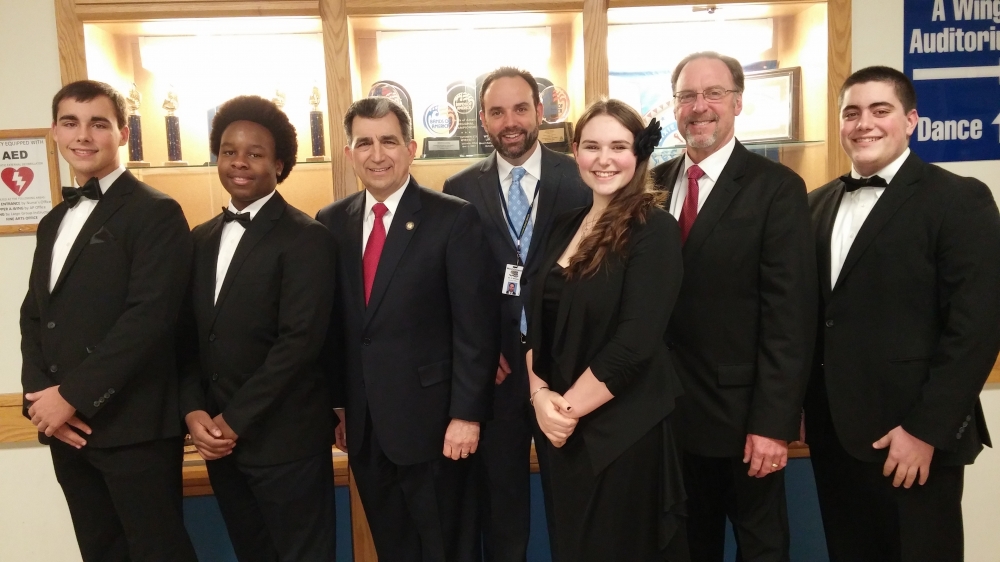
(734, 66)
(376, 108)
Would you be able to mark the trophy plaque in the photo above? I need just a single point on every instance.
(557, 136)
(173, 131)
(135, 130)
(316, 129)
(463, 97)
(397, 93)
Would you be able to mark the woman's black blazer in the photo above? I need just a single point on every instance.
(614, 322)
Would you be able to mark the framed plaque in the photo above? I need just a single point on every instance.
(29, 179)
(770, 106)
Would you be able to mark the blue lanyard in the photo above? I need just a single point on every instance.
(510, 223)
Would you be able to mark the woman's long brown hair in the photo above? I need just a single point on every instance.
(610, 234)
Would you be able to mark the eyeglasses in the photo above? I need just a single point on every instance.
(711, 94)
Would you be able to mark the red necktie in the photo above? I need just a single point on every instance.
(376, 240)
(689, 211)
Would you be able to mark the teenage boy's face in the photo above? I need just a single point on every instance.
(248, 166)
(88, 136)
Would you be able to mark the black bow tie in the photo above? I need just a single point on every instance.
(229, 216)
(90, 190)
(854, 184)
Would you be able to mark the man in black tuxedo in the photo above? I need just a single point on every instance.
(254, 395)
(413, 341)
(549, 184)
(97, 340)
(741, 331)
(909, 270)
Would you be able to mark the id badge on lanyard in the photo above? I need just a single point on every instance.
(513, 271)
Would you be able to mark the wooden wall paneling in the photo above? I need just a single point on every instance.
(14, 427)
(72, 50)
(129, 10)
(595, 44)
(839, 60)
(382, 7)
(338, 88)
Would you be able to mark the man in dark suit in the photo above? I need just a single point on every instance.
(255, 397)
(909, 266)
(97, 340)
(547, 184)
(413, 340)
(742, 329)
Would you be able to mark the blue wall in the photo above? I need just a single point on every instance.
(208, 532)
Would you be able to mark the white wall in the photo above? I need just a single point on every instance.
(34, 521)
(878, 39)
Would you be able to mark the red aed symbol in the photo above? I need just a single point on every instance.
(17, 179)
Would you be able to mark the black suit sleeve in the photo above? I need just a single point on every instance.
(474, 318)
(33, 371)
(652, 282)
(160, 251)
(192, 393)
(788, 309)
(968, 269)
(307, 278)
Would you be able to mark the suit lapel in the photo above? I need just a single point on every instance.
(396, 242)
(489, 187)
(901, 188)
(673, 170)
(208, 261)
(46, 239)
(262, 223)
(351, 254)
(824, 235)
(110, 202)
(548, 186)
(726, 188)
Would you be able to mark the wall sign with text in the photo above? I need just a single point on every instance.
(29, 179)
(952, 54)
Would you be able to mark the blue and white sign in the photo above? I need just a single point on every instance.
(952, 54)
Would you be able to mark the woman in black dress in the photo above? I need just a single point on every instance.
(602, 382)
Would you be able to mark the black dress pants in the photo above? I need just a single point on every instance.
(719, 487)
(279, 513)
(126, 502)
(415, 512)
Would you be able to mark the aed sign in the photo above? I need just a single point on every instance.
(952, 54)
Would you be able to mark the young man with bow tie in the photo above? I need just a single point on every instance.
(254, 395)
(97, 340)
(909, 270)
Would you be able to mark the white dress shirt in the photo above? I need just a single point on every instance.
(232, 233)
(391, 202)
(529, 182)
(712, 166)
(72, 223)
(854, 209)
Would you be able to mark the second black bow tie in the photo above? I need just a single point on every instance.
(90, 190)
(854, 184)
(229, 216)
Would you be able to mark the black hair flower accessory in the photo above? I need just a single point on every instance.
(647, 140)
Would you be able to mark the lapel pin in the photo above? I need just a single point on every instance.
(410, 225)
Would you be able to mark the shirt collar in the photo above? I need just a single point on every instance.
(713, 164)
(391, 202)
(532, 166)
(109, 179)
(252, 208)
(889, 171)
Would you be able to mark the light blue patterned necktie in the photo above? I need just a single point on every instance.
(517, 206)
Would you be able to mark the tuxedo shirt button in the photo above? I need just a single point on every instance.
(50, 325)
(367, 341)
(53, 368)
(829, 323)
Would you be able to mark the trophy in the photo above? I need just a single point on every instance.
(316, 128)
(279, 99)
(173, 130)
(135, 130)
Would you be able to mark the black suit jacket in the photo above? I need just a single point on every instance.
(613, 322)
(424, 350)
(560, 190)
(742, 330)
(912, 328)
(253, 355)
(105, 334)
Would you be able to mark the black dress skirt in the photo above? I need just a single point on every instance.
(630, 511)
